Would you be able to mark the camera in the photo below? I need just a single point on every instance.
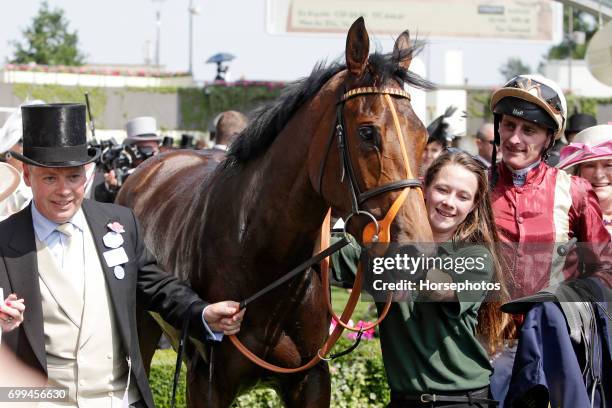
(116, 157)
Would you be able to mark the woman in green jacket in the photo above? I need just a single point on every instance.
(436, 346)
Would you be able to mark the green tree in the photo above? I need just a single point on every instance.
(513, 67)
(48, 41)
(581, 22)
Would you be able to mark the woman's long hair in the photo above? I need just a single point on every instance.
(479, 228)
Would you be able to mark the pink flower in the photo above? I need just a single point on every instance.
(116, 227)
(367, 335)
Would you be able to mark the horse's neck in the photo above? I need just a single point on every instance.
(285, 203)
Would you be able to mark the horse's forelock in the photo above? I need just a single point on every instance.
(268, 120)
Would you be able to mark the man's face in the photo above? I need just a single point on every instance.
(485, 145)
(149, 148)
(58, 192)
(150, 145)
(431, 152)
(522, 142)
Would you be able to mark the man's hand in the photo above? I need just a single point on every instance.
(224, 317)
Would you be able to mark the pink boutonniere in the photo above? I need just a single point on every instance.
(116, 227)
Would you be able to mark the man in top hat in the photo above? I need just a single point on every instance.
(167, 144)
(187, 141)
(81, 267)
(142, 137)
(142, 134)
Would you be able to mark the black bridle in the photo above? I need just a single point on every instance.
(359, 197)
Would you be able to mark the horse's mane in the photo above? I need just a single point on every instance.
(269, 119)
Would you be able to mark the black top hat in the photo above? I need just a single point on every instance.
(55, 135)
(580, 121)
(168, 141)
(186, 141)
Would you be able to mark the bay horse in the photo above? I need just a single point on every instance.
(233, 227)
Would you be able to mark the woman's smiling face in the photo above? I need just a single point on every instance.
(599, 174)
(450, 199)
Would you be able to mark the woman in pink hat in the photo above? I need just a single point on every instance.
(590, 157)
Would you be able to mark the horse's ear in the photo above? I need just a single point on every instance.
(357, 48)
(402, 50)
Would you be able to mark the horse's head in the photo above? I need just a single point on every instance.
(367, 167)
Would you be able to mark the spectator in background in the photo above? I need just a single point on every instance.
(439, 137)
(575, 123)
(187, 142)
(9, 181)
(484, 142)
(436, 143)
(10, 140)
(143, 138)
(167, 144)
(590, 156)
(228, 126)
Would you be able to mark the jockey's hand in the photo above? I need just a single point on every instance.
(11, 313)
(224, 317)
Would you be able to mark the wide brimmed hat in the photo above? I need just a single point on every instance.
(55, 135)
(142, 129)
(594, 143)
(9, 180)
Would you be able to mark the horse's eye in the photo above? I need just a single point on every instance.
(367, 133)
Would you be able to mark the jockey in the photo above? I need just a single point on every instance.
(537, 207)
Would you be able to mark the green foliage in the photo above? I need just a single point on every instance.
(161, 377)
(48, 40)
(199, 106)
(364, 310)
(478, 105)
(580, 22)
(59, 93)
(358, 380)
(513, 67)
(582, 105)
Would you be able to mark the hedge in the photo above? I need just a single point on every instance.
(358, 380)
(199, 106)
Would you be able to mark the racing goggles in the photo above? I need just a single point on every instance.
(538, 90)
